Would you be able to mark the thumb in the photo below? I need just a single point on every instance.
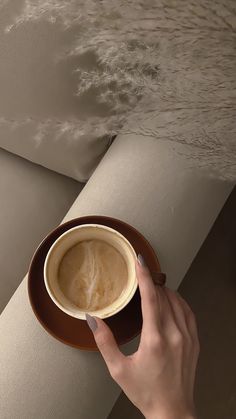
(106, 344)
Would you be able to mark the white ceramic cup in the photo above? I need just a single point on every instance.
(69, 239)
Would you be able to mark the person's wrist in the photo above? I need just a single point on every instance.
(155, 414)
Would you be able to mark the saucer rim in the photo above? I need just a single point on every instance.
(66, 225)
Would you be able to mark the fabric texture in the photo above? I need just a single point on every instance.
(33, 200)
(75, 73)
(44, 379)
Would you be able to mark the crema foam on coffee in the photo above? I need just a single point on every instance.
(92, 274)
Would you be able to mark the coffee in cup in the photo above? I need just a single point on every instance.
(91, 269)
(92, 274)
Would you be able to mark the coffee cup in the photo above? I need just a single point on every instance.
(92, 253)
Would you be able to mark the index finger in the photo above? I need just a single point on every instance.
(150, 300)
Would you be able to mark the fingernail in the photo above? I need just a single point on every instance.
(141, 260)
(159, 278)
(91, 322)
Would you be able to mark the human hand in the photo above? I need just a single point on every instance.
(159, 377)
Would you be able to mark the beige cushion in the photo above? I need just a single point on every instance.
(33, 201)
(73, 72)
(41, 118)
(42, 378)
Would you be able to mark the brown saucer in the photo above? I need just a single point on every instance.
(125, 325)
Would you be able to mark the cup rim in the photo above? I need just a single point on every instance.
(82, 314)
